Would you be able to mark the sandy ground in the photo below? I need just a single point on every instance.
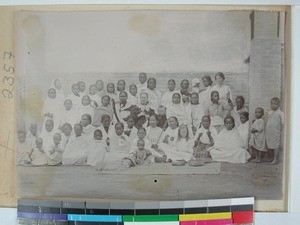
(262, 181)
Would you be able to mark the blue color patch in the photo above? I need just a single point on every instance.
(95, 218)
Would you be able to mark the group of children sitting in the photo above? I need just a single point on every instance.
(117, 130)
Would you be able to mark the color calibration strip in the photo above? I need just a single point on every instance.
(194, 212)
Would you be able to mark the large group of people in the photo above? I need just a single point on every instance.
(124, 126)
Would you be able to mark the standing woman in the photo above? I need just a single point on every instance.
(223, 89)
(153, 93)
(204, 96)
(111, 92)
(56, 84)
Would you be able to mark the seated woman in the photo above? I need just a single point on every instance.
(206, 135)
(229, 145)
(182, 149)
(75, 150)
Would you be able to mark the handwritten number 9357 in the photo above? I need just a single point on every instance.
(7, 79)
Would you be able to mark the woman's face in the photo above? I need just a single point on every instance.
(205, 122)
(205, 82)
(141, 134)
(93, 90)
(176, 99)
(219, 80)
(152, 84)
(143, 78)
(152, 121)
(194, 99)
(184, 84)
(121, 85)
(110, 88)
(86, 100)
(105, 101)
(99, 85)
(75, 90)
(68, 105)
(183, 132)
(229, 124)
(173, 123)
(171, 86)
(81, 86)
(85, 121)
(133, 90)
(123, 97)
(144, 99)
(106, 122)
(67, 130)
(57, 84)
(52, 93)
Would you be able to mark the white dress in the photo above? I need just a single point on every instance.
(229, 147)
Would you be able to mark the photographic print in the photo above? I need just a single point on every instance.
(153, 104)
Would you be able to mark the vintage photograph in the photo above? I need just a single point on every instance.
(151, 105)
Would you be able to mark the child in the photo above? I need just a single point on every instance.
(243, 128)
(238, 109)
(273, 129)
(130, 130)
(111, 92)
(104, 108)
(24, 150)
(99, 86)
(142, 86)
(47, 134)
(132, 95)
(162, 118)
(95, 98)
(32, 135)
(38, 157)
(86, 107)
(167, 96)
(141, 134)
(96, 150)
(70, 116)
(154, 133)
(206, 136)
(171, 133)
(218, 111)
(54, 153)
(140, 156)
(257, 136)
(183, 148)
(81, 86)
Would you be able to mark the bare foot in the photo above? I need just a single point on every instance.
(258, 160)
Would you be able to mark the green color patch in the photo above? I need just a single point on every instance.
(150, 218)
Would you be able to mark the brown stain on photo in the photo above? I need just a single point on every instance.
(145, 24)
